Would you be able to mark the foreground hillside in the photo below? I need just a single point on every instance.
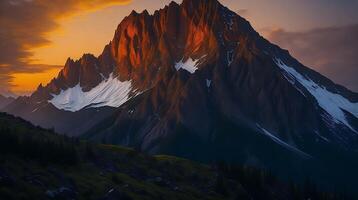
(37, 164)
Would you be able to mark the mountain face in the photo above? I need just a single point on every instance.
(4, 101)
(196, 80)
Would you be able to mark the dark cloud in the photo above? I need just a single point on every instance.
(25, 25)
(331, 51)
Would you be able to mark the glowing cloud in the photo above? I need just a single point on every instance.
(26, 24)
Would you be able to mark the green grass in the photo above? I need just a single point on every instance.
(98, 168)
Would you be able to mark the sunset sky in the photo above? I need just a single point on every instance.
(37, 36)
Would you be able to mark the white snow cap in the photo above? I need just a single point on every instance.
(189, 65)
(332, 103)
(208, 83)
(110, 92)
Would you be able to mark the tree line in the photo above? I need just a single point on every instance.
(33, 143)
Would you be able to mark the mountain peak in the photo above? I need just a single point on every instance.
(40, 86)
(69, 62)
(173, 3)
(145, 12)
(143, 44)
(134, 13)
(88, 56)
(198, 2)
(195, 37)
(202, 5)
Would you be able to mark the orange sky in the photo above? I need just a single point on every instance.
(25, 82)
(77, 35)
(41, 35)
(90, 29)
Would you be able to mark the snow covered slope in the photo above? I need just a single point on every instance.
(189, 65)
(110, 92)
(333, 104)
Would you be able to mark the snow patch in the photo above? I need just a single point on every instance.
(208, 83)
(230, 57)
(322, 137)
(282, 143)
(189, 65)
(102, 76)
(332, 103)
(110, 92)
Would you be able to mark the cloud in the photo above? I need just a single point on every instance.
(26, 24)
(331, 51)
(7, 75)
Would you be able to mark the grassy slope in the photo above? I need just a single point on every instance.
(55, 167)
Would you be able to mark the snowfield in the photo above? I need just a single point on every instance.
(110, 92)
(332, 103)
(189, 65)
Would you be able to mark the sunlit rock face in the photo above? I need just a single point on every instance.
(145, 47)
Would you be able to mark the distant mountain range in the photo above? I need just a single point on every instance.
(4, 101)
(196, 80)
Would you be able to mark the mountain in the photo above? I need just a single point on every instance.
(4, 101)
(80, 109)
(196, 80)
(36, 163)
